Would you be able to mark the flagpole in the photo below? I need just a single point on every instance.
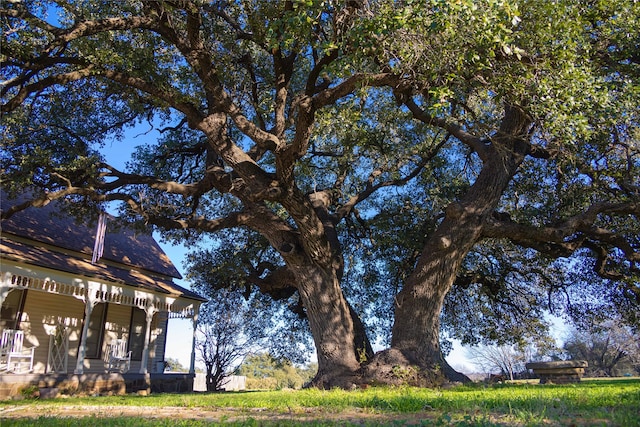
(98, 247)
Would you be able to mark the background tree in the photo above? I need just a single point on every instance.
(510, 360)
(264, 371)
(610, 348)
(222, 341)
(505, 360)
(174, 365)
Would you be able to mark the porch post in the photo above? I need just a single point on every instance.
(192, 365)
(147, 337)
(5, 287)
(89, 303)
(4, 291)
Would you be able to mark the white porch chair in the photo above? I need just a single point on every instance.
(118, 358)
(12, 351)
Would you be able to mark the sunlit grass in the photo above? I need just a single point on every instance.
(586, 403)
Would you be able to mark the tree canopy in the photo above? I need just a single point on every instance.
(378, 166)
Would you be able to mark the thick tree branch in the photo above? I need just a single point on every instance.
(82, 28)
(21, 12)
(40, 201)
(214, 178)
(232, 220)
(278, 283)
(32, 66)
(283, 70)
(311, 88)
(47, 82)
(333, 94)
(566, 237)
(174, 99)
(478, 145)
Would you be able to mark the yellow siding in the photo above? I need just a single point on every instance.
(160, 340)
(42, 313)
(117, 323)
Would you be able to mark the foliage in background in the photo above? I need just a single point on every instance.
(510, 360)
(265, 372)
(174, 365)
(610, 347)
(223, 341)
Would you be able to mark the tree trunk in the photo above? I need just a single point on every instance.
(337, 337)
(313, 258)
(415, 334)
(416, 330)
(213, 379)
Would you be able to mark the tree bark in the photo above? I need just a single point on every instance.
(415, 334)
(315, 259)
(337, 337)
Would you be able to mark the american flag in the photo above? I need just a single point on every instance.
(98, 246)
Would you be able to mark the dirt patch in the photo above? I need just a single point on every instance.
(210, 414)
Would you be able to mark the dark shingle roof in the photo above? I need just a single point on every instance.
(50, 239)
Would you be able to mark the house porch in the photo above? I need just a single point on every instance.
(54, 313)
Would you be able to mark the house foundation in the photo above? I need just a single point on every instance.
(53, 385)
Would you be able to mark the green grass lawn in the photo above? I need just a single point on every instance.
(608, 402)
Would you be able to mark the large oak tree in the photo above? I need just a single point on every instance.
(236, 88)
(543, 96)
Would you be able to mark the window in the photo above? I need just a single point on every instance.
(95, 332)
(137, 332)
(11, 310)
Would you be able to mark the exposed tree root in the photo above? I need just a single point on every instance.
(392, 367)
(343, 378)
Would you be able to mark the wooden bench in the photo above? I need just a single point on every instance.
(558, 372)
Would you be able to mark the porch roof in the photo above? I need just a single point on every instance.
(46, 237)
(45, 257)
(51, 226)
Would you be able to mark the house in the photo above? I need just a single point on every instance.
(96, 325)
